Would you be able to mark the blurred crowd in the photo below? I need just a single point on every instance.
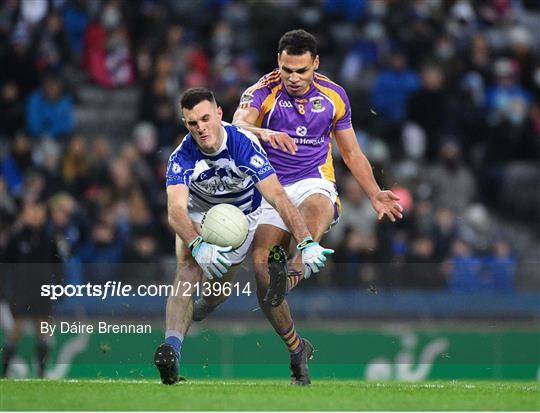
(445, 99)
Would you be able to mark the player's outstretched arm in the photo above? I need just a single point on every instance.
(385, 203)
(246, 118)
(313, 254)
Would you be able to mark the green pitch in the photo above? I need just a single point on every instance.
(266, 395)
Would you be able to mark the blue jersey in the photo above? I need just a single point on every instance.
(226, 176)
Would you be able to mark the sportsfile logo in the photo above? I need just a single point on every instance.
(120, 289)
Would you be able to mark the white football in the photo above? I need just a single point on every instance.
(225, 225)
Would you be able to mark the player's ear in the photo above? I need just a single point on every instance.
(316, 62)
(219, 113)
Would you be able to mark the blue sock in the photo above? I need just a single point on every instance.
(174, 338)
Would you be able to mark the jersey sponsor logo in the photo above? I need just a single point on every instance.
(301, 131)
(306, 141)
(285, 104)
(317, 105)
(257, 161)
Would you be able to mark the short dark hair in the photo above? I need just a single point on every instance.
(196, 95)
(298, 42)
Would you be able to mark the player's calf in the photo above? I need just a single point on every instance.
(293, 278)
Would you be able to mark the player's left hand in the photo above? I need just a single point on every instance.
(313, 256)
(385, 203)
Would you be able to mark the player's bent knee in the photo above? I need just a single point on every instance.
(188, 271)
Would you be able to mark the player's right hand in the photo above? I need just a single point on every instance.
(313, 255)
(210, 258)
(279, 140)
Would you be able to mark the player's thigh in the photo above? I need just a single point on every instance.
(187, 269)
(317, 210)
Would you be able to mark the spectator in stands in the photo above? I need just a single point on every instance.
(501, 266)
(452, 183)
(107, 56)
(428, 107)
(468, 116)
(76, 20)
(99, 160)
(393, 87)
(101, 253)
(506, 100)
(177, 50)
(141, 256)
(477, 228)
(34, 186)
(422, 271)
(47, 158)
(66, 227)
(355, 260)
(157, 107)
(17, 64)
(466, 269)
(11, 110)
(63, 224)
(358, 214)
(75, 166)
(8, 210)
(445, 231)
(49, 110)
(16, 163)
(35, 261)
(389, 95)
(52, 47)
(528, 147)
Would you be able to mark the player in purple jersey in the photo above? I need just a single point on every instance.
(216, 163)
(296, 112)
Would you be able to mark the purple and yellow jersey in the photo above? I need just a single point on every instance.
(309, 119)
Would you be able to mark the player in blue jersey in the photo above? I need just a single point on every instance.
(217, 163)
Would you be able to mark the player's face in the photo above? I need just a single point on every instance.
(297, 71)
(204, 123)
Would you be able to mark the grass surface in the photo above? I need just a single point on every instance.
(77, 395)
